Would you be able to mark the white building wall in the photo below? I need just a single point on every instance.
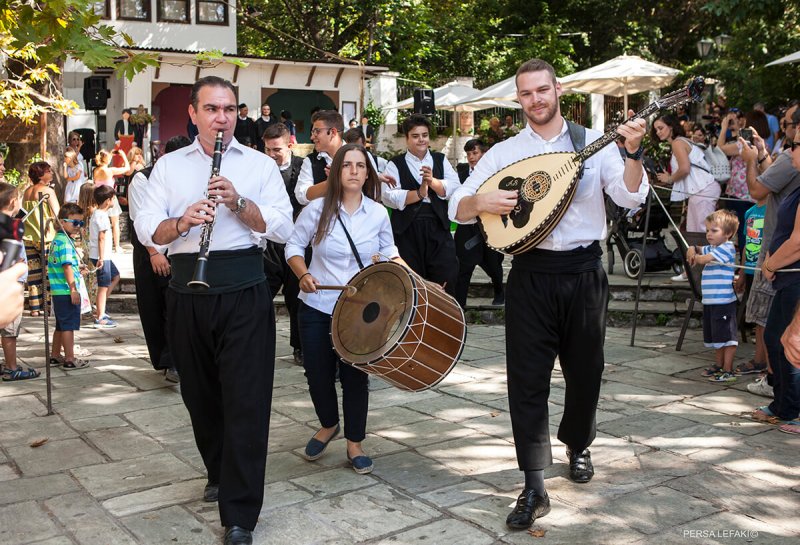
(191, 36)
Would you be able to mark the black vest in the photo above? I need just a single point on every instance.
(401, 219)
(318, 165)
(290, 179)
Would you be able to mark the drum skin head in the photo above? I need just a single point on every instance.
(546, 184)
(364, 326)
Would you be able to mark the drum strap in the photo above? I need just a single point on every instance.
(352, 244)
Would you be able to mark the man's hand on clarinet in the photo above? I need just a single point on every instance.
(222, 191)
(197, 214)
(633, 131)
(498, 202)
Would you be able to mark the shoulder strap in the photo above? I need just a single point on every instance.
(577, 134)
(692, 145)
(352, 244)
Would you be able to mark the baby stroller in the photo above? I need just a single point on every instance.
(626, 232)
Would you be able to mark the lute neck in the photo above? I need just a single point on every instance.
(612, 135)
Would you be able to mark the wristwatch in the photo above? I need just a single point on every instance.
(241, 203)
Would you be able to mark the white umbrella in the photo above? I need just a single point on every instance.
(453, 96)
(621, 76)
(794, 57)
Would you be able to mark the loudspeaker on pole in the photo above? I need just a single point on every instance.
(95, 93)
(424, 102)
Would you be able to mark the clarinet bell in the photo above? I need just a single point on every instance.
(198, 281)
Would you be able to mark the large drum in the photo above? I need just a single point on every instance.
(399, 327)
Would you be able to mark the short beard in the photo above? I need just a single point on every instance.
(549, 113)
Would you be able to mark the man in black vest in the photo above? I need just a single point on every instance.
(326, 134)
(245, 131)
(123, 126)
(265, 120)
(557, 293)
(151, 272)
(419, 219)
(278, 145)
(471, 248)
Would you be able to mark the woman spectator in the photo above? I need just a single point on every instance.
(104, 175)
(737, 193)
(40, 174)
(351, 207)
(74, 176)
(690, 176)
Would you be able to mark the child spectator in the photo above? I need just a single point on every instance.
(100, 253)
(719, 299)
(10, 203)
(754, 225)
(63, 270)
(73, 173)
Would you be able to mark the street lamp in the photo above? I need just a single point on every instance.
(704, 47)
(722, 41)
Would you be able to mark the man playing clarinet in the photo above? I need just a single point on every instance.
(557, 293)
(223, 338)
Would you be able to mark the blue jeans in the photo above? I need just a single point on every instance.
(320, 362)
(786, 376)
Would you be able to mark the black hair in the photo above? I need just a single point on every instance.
(209, 81)
(103, 193)
(70, 209)
(415, 120)
(474, 143)
(176, 142)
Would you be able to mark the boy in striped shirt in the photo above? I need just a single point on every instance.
(719, 299)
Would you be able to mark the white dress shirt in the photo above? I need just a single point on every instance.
(136, 191)
(395, 197)
(180, 179)
(585, 220)
(306, 177)
(333, 262)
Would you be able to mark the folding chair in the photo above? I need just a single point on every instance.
(693, 274)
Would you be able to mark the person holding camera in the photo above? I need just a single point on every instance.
(737, 194)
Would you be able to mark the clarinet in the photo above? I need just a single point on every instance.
(199, 281)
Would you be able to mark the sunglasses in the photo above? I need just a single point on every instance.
(318, 130)
(75, 223)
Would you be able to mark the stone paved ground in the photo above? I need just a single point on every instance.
(676, 462)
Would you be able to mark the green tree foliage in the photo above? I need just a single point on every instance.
(36, 37)
(435, 40)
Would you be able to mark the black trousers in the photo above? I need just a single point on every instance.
(151, 300)
(481, 255)
(320, 362)
(280, 275)
(430, 251)
(549, 315)
(224, 348)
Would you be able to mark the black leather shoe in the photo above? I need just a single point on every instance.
(236, 535)
(211, 492)
(581, 469)
(529, 508)
(297, 355)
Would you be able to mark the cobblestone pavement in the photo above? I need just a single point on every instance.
(676, 462)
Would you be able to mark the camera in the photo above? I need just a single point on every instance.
(11, 247)
(747, 134)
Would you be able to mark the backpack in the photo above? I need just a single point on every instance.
(719, 163)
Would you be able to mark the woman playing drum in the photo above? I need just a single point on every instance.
(349, 218)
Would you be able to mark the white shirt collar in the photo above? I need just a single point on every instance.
(361, 208)
(533, 134)
(287, 164)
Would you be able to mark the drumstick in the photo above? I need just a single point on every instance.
(351, 290)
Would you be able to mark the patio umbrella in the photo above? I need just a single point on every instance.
(794, 57)
(457, 97)
(454, 96)
(621, 76)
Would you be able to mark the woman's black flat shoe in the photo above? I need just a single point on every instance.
(316, 448)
